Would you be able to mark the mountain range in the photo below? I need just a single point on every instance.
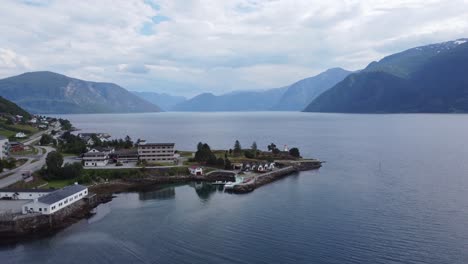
(48, 92)
(235, 101)
(294, 97)
(429, 79)
(432, 78)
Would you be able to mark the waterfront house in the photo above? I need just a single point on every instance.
(194, 170)
(97, 157)
(154, 152)
(23, 194)
(4, 147)
(56, 200)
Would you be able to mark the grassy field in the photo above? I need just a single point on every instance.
(37, 181)
(11, 130)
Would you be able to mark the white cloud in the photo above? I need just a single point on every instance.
(191, 46)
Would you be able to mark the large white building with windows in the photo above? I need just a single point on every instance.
(56, 200)
(156, 152)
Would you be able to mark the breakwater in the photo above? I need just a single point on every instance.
(289, 167)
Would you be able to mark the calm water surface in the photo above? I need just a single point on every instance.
(394, 190)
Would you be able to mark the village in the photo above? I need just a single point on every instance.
(64, 172)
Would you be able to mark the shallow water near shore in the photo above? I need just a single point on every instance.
(394, 189)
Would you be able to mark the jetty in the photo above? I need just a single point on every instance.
(289, 167)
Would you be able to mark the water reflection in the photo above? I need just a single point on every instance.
(161, 194)
(205, 190)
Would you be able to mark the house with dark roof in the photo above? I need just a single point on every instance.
(56, 200)
(97, 157)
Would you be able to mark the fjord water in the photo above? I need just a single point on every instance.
(394, 189)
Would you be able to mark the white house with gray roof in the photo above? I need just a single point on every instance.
(56, 200)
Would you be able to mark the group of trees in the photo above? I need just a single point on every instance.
(204, 155)
(55, 170)
(9, 163)
(65, 124)
(47, 139)
(126, 143)
(70, 143)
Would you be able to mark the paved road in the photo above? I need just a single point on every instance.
(28, 166)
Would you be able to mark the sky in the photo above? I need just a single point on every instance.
(193, 46)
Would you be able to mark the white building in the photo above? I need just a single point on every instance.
(23, 194)
(20, 135)
(56, 200)
(196, 170)
(97, 157)
(3, 147)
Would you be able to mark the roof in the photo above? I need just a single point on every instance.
(61, 194)
(126, 152)
(95, 154)
(27, 190)
(104, 149)
(157, 144)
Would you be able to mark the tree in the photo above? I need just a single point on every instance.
(199, 146)
(249, 154)
(227, 164)
(254, 146)
(46, 139)
(128, 142)
(271, 147)
(65, 124)
(54, 161)
(71, 171)
(220, 162)
(204, 155)
(295, 152)
(237, 148)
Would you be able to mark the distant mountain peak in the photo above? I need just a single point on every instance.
(49, 92)
(428, 79)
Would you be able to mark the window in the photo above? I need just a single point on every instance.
(45, 209)
(40, 209)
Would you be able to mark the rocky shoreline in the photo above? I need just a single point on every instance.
(26, 227)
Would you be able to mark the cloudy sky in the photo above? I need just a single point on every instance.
(190, 46)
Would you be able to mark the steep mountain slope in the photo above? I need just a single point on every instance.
(405, 63)
(301, 93)
(48, 92)
(439, 85)
(163, 100)
(8, 107)
(236, 101)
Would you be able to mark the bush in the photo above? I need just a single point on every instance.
(249, 154)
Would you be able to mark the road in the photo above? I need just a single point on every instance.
(33, 164)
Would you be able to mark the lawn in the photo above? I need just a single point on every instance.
(37, 181)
